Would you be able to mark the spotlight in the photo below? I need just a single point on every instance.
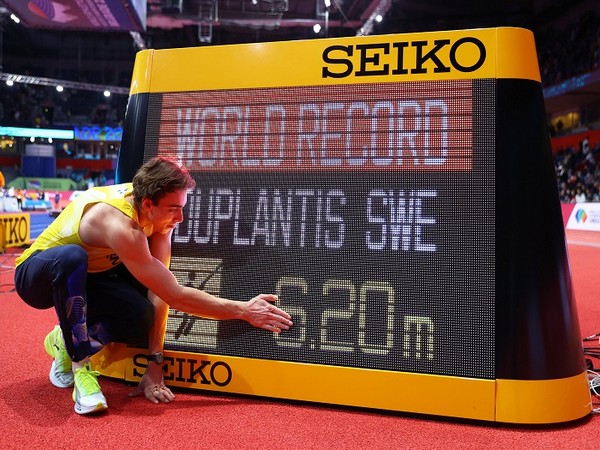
(59, 88)
(9, 82)
(107, 93)
(316, 28)
(15, 19)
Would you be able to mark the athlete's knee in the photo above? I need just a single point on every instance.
(70, 266)
(69, 273)
(73, 257)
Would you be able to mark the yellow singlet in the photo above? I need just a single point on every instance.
(65, 228)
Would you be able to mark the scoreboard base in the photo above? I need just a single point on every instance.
(543, 401)
(509, 401)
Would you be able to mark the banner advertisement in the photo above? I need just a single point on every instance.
(100, 15)
(585, 216)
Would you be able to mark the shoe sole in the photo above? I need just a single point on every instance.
(100, 407)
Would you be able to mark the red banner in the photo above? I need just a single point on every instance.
(574, 140)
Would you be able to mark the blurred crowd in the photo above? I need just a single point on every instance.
(564, 54)
(578, 173)
(22, 195)
(31, 105)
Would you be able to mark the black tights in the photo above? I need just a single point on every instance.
(93, 309)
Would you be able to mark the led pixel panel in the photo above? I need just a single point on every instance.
(365, 208)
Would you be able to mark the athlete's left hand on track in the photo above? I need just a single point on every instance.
(153, 387)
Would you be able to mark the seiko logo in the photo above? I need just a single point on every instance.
(189, 370)
(15, 229)
(439, 56)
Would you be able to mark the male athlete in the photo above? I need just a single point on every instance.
(103, 265)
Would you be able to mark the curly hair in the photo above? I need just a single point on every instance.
(160, 176)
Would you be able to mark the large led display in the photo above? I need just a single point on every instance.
(378, 186)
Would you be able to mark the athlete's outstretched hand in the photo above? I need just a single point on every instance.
(261, 313)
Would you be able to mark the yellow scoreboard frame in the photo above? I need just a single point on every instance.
(539, 373)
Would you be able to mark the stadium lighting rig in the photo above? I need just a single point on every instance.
(11, 78)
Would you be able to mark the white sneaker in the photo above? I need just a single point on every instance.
(87, 395)
(61, 370)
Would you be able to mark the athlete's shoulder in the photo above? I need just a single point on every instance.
(100, 193)
(122, 188)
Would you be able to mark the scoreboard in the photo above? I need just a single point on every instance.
(397, 193)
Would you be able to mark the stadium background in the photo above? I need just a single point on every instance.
(88, 59)
(88, 62)
(95, 58)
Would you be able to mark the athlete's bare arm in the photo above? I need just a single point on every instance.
(105, 226)
(152, 384)
(160, 248)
